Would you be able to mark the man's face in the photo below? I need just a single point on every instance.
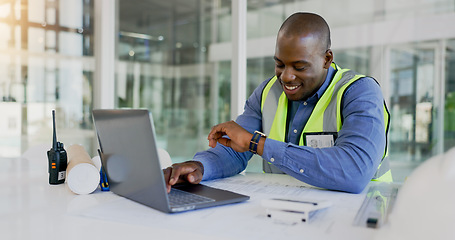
(301, 65)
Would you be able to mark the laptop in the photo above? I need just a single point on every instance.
(131, 163)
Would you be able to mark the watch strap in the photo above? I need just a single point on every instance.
(255, 141)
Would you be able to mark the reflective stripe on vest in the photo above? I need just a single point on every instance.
(326, 116)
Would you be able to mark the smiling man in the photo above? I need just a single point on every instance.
(324, 125)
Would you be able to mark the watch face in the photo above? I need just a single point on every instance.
(262, 134)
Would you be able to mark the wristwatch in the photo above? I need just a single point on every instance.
(255, 141)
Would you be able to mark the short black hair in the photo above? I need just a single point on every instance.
(304, 23)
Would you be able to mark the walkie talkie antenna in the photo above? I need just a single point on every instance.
(54, 144)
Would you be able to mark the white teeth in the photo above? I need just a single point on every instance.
(291, 87)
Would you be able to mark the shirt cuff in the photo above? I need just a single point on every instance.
(274, 152)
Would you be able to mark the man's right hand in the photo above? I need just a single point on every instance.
(190, 171)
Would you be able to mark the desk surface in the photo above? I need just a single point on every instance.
(30, 208)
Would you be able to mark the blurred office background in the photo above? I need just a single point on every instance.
(175, 58)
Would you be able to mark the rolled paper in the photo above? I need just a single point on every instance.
(165, 158)
(82, 176)
(97, 161)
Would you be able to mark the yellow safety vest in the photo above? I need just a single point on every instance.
(326, 116)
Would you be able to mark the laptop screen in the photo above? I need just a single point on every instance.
(130, 156)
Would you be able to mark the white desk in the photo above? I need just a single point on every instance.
(30, 208)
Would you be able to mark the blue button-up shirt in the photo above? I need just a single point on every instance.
(347, 166)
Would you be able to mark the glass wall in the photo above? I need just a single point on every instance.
(412, 104)
(449, 96)
(46, 55)
(165, 67)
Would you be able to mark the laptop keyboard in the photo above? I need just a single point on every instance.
(179, 198)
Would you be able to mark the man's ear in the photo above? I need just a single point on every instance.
(328, 58)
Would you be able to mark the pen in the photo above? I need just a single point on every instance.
(289, 200)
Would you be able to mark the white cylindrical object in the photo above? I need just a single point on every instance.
(165, 158)
(97, 162)
(82, 176)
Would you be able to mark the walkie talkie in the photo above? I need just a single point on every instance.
(57, 159)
